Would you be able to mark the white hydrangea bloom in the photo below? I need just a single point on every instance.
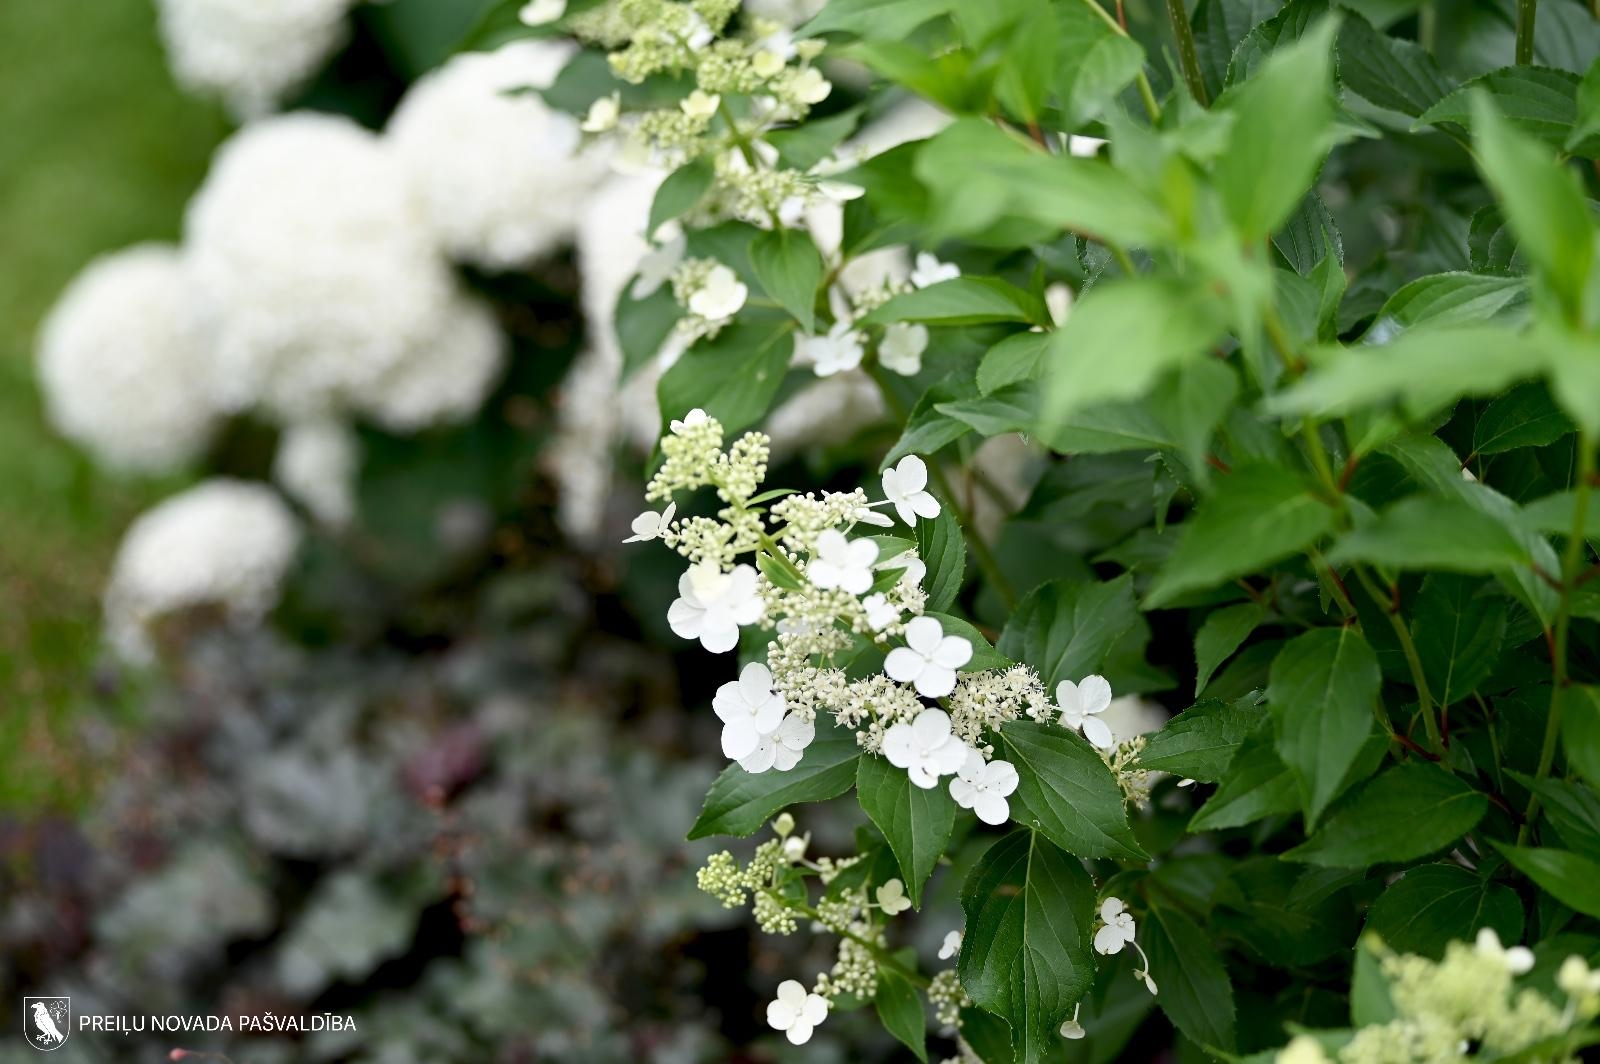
(316, 464)
(925, 748)
(983, 787)
(124, 364)
(306, 247)
(251, 53)
(795, 1012)
(929, 661)
(501, 175)
(445, 373)
(749, 710)
(223, 543)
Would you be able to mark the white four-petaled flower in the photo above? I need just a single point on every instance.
(983, 786)
(782, 748)
(925, 748)
(843, 563)
(795, 1012)
(749, 710)
(649, 525)
(700, 104)
(720, 296)
(929, 661)
(837, 350)
(892, 898)
(929, 270)
(1118, 930)
(712, 605)
(1081, 703)
(951, 945)
(905, 485)
(881, 613)
(901, 348)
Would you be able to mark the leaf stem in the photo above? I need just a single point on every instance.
(1571, 563)
(1188, 55)
(1419, 679)
(1527, 12)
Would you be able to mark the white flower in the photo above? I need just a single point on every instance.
(317, 464)
(929, 661)
(892, 898)
(500, 175)
(749, 709)
(1118, 930)
(782, 748)
(839, 349)
(700, 104)
(982, 786)
(693, 418)
(713, 605)
(901, 348)
(1518, 960)
(603, 114)
(951, 945)
(795, 1012)
(929, 270)
(842, 563)
(881, 613)
(1072, 1028)
(657, 265)
(252, 54)
(925, 748)
(809, 86)
(766, 63)
(866, 515)
(223, 543)
(649, 525)
(905, 485)
(783, 825)
(720, 296)
(914, 571)
(445, 373)
(794, 847)
(1081, 703)
(1058, 300)
(125, 367)
(541, 12)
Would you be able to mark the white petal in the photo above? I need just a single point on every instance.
(739, 739)
(799, 1033)
(924, 635)
(719, 635)
(948, 758)
(898, 745)
(1098, 732)
(796, 732)
(902, 664)
(1001, 778)
(973, 768)
(924, 505)
(1110, 909)
(1067, 697)
(913, 474)
(824, 574)
(1095, 693)
(936, 681)
(779, 1016)
(856, 581)
(815, 1010)
(931, 728)
(686, 620)
(921, 776)
(784, 759)
(963, 792)
(762, 759)
(992, 808)
(862, 553)
(953, 652)
(1108, 940)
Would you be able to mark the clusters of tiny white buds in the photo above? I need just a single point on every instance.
(1518, 960)
(1117, 931)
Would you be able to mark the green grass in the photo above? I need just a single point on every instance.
(99, 150)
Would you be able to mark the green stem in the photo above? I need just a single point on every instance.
(1188, 55)
(884, 959)
(1527, 12)
(1571, 562)
(1419, 679)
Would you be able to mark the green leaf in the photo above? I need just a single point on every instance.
(877, 19)
(1283, 127)
(1095, 63)
(1370, 1003)
(1408, 811)
(1444, 299)
(1436, 904)
(927, 428)
(1538, 101)
(1025, 956)
(961, 301)
(943, 548)
(1066, 792)
(1552, 514)
(1523, 417)
(1196, 993)
(1219, 27)
(734, 377)
(1200, 742)
(1572, 878)
(1152, 323)
(789, 268)
(1398, 74)
(1222, 632)
(1572, 808)
(681, 191)
(1586, 122)
(1067, 629)
(1322, 688)
(1018, 357)
(1429, 532)
(1011, 409)
(1458, 628)
(917, 821)
(1542, 201)
(1580, 730)
(643, 326)
(1256, 516)
(1257, 784)
(900, 1009)
(739, 802)
(804, 146)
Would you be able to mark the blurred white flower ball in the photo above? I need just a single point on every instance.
(124, 364)
(252, 53)
(316, 465)
(224, 543)
(500, 174)
(446, 371)
(309, 253)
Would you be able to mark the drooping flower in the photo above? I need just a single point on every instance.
(795, 1012)
(712, 605)
(929, 661)
(1072, 1028)
(951, 945)
(892, 897)
(905, 485)
(783, 748)
(843, 563)
(749, 710)
(649, 525)
(901, 348)
(720, 296)
(929, 270)
(983, 786)
(1118, 929)
(836, 351)
(1081, 703)
(925, 748)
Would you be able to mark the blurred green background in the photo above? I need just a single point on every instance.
(98, 150)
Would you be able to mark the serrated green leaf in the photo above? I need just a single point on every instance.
(1066, 629)
(1066, 792)
(1428, 532)
(961, 301)
(1580, 730)
(1196, 993)
(1539, 101)
(734, 377)
(1436, 904)
(1445, 299)
(1095, 63)
(1223, 632)
(1409, 811)
(1458, 629)
(1016, 358)
(789, 268)
(680, 192)
(1200, 742)
(1322, 687)
(1572, 878)
(1257, 784)
(739, 802)
(917, 821)
(899, 1007)
(943, 548)
(1388, 71)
